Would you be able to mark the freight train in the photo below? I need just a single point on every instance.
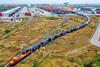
(26, 52)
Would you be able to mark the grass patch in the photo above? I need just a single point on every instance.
(7, 30)
(52, 18)
(22, 62)
(96, 62)
(1, 65)
(36, 64)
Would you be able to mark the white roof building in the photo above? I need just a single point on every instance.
(41, 12)
(24, 12)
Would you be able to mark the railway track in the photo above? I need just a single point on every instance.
(27, 52)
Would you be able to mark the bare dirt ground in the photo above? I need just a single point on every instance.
(72, 50)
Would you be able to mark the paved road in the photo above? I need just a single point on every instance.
(96, 37)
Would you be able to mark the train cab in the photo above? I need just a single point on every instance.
(20, 56)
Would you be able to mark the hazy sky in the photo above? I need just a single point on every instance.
(49, 1)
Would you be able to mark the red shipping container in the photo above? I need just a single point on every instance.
(27, 14)
(1, 14)
(98, 12)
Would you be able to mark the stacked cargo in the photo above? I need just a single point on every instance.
(97, 11)
(1, 14)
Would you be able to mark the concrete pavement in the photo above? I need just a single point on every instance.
(96, 37)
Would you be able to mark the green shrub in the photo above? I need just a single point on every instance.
(1, 65)
(35, 64)
(96, 62)
(7, 30)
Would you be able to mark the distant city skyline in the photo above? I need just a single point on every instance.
(49, 1)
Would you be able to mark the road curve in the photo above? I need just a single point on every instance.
(27, 52)
(96, 37)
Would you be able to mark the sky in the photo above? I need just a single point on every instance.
(49, 1)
